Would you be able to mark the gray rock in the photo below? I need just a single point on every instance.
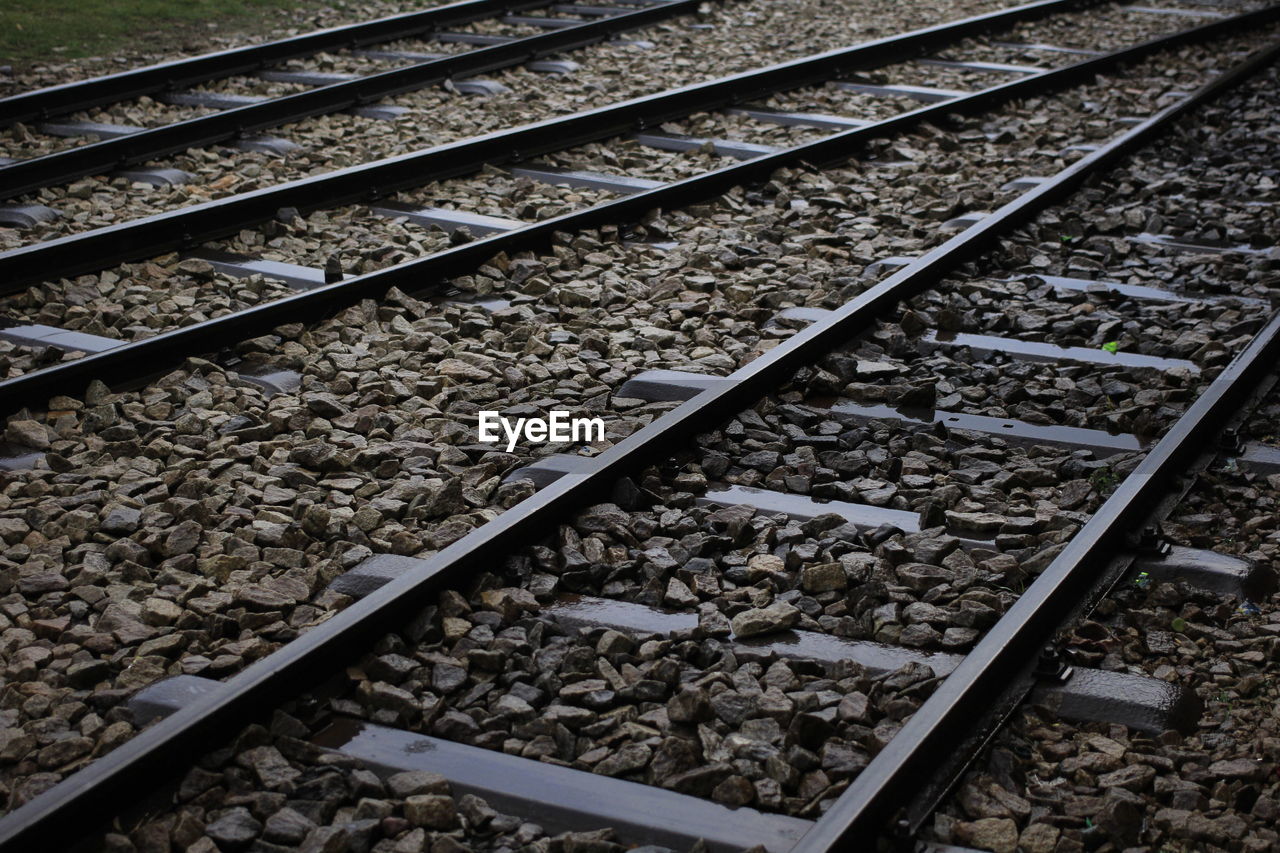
(28, 433)
(287, 827)
(678, 594)
(628, 759)
(855, 707)
(977, 522)
(1039, 838)
(414, 782)
(432, 811)
(999, 835)
(713, 623)
(1135, 777)
(14, 745)
(447, 678)
(235, 829)
(778, 616)
(88, 673)
(734, 791)
(328, 839)
(271, 768)
(823, 577)
(1121, 817)
(121, 521)
(690, 705)
(182, 539)
(1240, 768)
(611, 643)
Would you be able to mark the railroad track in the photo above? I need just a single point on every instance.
(224, 116)
(871, 794)
(379, 128)
(621, 197)
(138, 144)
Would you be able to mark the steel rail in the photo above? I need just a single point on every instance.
(72, 97)
(1001, 664)
(132, 361)
(150, 235)
(98, 790)
(35, 173)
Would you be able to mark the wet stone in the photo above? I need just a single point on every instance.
(824, 577)
(432, 811)
(28, 433)
(690, 705)
(414, 782)
(778, 616)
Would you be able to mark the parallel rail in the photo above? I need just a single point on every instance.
(943, 726)
(152, 235)
(67, 98)
(146, 237)
(954, 722)
(26, 176)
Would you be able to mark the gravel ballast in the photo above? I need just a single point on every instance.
(1052, 785)
(610, 72)
(192, 526)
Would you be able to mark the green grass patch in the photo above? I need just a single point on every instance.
(32, 30)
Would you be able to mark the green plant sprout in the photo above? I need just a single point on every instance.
(1104, 479)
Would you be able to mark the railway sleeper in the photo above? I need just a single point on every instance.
(39, 335)
(1046, 48)
(722, 147)
(1198, 247)
(672, 385)
(273, 145)
(156, 177)
(924, 94)
(558, 798)
(581, 178)
(1261, 458)
(240, 266)
(100, 129)
(449, 220)
(1084, 695)
(971, 65)
(822, 121)
(860, 519)
(224, 101)
(1205, 570)
(1021, 350)
(26, 215)
(272, 379)
(1187, 13)
(1057, 282)
(544, 66)
(469, 86)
